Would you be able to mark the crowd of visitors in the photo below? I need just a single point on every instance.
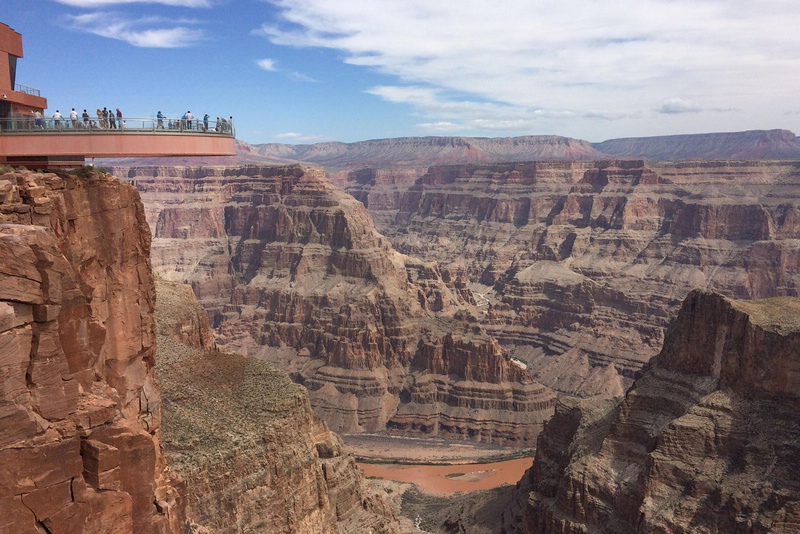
(188, 122)
(106, 118)
(112, 119)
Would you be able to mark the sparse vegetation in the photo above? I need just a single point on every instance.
(214, 401)
(88, 171)
(778, 314)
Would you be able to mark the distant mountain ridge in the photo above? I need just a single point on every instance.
(427, 151)
(752, 144)
(423, 152)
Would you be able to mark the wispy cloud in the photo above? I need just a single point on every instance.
(145, 32)
(295, 137)
(460, 114)
(300, 77)
(266, 64)
(442, 127)
(678, 105)
(588, 61)
(91, 4)
(271, 65)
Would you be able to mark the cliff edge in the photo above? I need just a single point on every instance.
(705, 441)
(80, 408)
(292, 271)
(244, 437)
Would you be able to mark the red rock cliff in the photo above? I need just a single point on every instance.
(291, 270)
(80, 408)
(706, 441)
(584, 263)
(244, 437)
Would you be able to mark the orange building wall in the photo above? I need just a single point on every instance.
(10, 41)
(11, 45)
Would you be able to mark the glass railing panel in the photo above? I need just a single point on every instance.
(166, 125)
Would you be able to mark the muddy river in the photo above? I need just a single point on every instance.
(448, 479)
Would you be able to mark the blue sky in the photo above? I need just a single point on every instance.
(305, 71)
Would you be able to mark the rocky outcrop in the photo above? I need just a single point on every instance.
(80, 409)
(291, 270)
(705, 441)
(244, 438)
(582, 264)
(180, 318)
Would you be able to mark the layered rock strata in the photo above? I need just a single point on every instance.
(291, 270)
(580, 265)
(421, 152)
(244, 438)
(705, 441)
(80, 409)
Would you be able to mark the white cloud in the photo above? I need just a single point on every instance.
(467, 115)
(295, 137)
(606, 115)
(142, 32)
(678, 105)
(442, 127)
(271, 65)
(299, 76)
(104, 3)
(266, 64)
(583, 61)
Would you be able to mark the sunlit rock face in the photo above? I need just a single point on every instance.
(705, 441)
(291, 270)
(581, 264)
(80, 408)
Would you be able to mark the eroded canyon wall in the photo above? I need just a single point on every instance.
(705, 441)
(291, 270)
(80, 409)
(245, 440)
(582, 263)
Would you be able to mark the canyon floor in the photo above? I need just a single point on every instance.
(441, 484)
(477, 512)
(448, 480)
(384, 448)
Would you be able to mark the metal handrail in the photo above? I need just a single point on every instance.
(27, 90)
(95, 125)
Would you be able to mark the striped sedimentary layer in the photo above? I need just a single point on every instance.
(292, 270)
(80, 407)
(244, 438)
(705, 441)
(583, 263)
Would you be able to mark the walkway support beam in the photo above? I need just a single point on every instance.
(117, 145)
